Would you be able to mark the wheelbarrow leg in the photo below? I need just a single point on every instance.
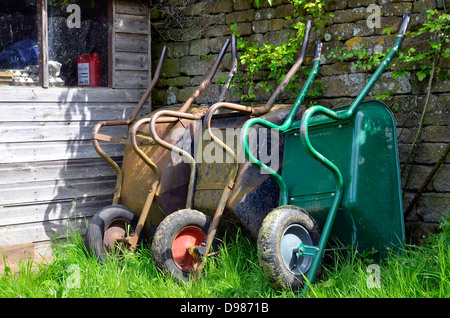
(327, 163)
(322, 243)
(133, 239)
(214, 225)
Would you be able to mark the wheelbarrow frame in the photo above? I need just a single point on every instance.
(132, 239)
(230, 181)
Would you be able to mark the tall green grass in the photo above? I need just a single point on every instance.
(417, 272)
(73, 272)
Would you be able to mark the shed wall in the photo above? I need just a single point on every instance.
(51, 178)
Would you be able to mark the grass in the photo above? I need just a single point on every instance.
(420, 271)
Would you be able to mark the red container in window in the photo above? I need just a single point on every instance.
(89, 70)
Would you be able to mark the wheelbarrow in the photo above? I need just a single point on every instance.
(339, 185)
(123, 221)
(184, 238)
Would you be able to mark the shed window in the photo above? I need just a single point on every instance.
(77, 29)
(19, 57)
(73, 36)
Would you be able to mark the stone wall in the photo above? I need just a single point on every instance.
(194, 43)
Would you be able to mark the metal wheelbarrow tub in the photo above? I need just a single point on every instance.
(364, 148)
(251, 198)
(138, 176)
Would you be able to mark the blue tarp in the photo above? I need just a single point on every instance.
(20, 54)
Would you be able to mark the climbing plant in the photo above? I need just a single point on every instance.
(274, 61)
(423, 64)
(436, 26)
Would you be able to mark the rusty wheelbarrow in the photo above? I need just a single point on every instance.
(220, 184)
(124, 220)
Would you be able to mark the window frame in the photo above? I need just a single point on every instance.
(42, 7)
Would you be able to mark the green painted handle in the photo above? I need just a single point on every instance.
(327, 163)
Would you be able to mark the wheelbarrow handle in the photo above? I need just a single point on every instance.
(286, 125)
(233, 70)
(264, 109)
(342, 115)
(96, 136)
(257, 111)
(404, 25)
(317, 51)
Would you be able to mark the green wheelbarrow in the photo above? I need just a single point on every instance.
(339, 183)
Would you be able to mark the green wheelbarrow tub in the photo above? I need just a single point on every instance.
(364, 148)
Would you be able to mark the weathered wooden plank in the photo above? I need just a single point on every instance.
(140, 7)
(55, 210)
(126, 42)
(54, 131)
(68, 95)
(126, 23)
(15, 253)
(124, 79)
(40, 231)
(54, 150)
(43, 42)
(28, 193)
(4, 74)
(11, 173)
(42, 252)
(26, 112)
(126, 61)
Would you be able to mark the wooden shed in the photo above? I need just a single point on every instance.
(51, 178)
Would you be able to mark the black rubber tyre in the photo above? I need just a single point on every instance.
(112, 220)
(190, 224)
(279, 226)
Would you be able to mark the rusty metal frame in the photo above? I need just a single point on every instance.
(254, 111)
(171, 117)
(127, 122)
(233, 70)
(133, 238)
(97, 136)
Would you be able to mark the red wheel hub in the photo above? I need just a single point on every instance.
(114, 232)
(183, 247)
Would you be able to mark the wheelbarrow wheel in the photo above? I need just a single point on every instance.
(281, 233)
(109, 224)
(175, 239)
